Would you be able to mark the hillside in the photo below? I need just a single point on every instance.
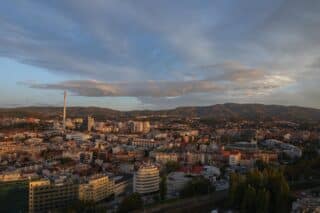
(54, 112)
(219, 112)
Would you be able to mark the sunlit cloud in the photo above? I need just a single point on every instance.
(196, 53)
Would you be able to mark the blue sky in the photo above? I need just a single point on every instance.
(159, 54)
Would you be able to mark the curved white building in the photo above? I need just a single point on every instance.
(146, 179)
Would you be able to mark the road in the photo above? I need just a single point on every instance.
(195, 204)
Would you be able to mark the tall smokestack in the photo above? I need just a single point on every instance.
(64, 109)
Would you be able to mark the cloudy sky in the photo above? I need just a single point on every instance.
(159, 54)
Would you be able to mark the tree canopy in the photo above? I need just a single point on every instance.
(163, 188)
(257, 190)
(197, 186)
(171, 166)
(131, 203)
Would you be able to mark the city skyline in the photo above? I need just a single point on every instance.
(159, 55)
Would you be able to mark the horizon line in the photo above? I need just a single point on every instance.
(149, 109)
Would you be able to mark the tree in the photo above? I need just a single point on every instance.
(131, 203)
(171, 166)
(65, 160)
(257, 190)
(197, 186)
(248, 201)
(279, 191)
(262, 201)
(236, 189)
(260, 165)
(163, 188)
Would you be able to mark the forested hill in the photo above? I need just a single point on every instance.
(219, 112)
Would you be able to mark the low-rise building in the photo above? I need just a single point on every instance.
(97, 188)
(147, 143)
(175, 183)
(164, 157)
(307, 204)
(234, 159)
(122, 185)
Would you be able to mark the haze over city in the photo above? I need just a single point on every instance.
(159, 54)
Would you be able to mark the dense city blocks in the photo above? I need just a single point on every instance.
(92, 163)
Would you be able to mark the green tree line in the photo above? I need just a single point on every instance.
(260, 191)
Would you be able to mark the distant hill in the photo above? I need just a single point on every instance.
(54, 112)
(219, 112)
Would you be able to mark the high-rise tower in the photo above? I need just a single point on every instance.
(64, 109)
(146, 179)
(90, 123)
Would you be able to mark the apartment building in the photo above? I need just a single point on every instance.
(146, 143)
(146, 179)
(97, 188)
(163, 157)
(45, 195)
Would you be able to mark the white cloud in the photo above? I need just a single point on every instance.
(239, 50)
(93, 88)
(237, 80)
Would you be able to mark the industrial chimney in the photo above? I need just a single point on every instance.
(64, 109)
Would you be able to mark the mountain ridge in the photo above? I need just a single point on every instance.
(225, 111)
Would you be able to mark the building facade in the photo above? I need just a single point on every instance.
(45, 195)
(90, 123)
(163, 157)
(146, 179)
(97, 188)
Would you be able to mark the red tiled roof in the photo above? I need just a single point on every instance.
(193, 169)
